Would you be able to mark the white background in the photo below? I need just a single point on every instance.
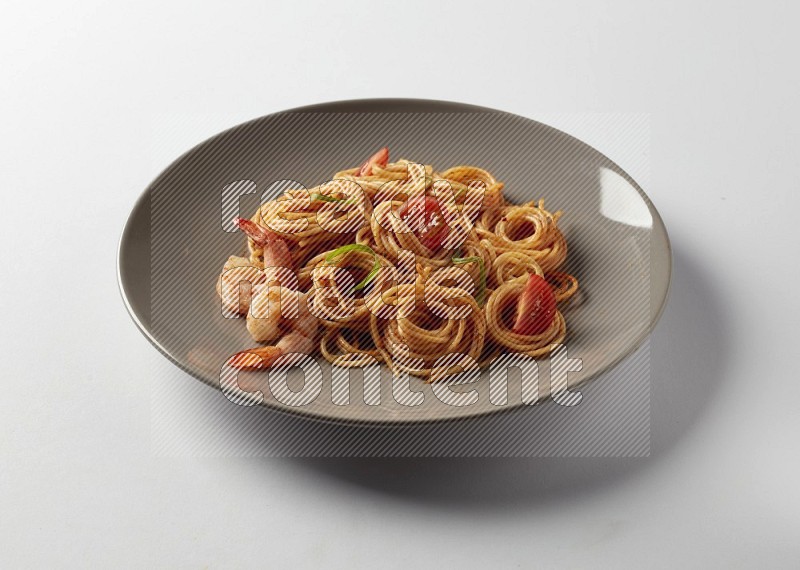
(85, 91)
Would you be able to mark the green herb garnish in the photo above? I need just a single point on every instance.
(325, 198)
(339, 252)
(482, 287)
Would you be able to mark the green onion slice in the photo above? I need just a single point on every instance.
(326, 198)
(333, 256)
(482, 287)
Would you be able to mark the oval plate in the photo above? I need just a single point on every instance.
(179, 234)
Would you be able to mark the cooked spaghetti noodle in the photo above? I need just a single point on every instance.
(404, 265)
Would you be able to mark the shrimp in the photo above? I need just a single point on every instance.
(273, 314)
(380, 158)
(239, 269)
(266, 321)
(276, 252)
(236, 271)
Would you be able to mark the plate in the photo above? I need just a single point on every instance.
(179, 234)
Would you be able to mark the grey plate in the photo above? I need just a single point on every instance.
(175, 241)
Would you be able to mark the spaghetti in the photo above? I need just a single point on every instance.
(429, 272)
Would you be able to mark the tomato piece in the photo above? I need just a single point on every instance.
(380, 158)
(536, 307)
(424, 216)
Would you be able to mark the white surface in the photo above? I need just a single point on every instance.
(84, 89)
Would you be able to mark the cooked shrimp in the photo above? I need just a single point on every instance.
(380, 159)
(276, 252)
(236, 271)
(275, 312)
(272, 313)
